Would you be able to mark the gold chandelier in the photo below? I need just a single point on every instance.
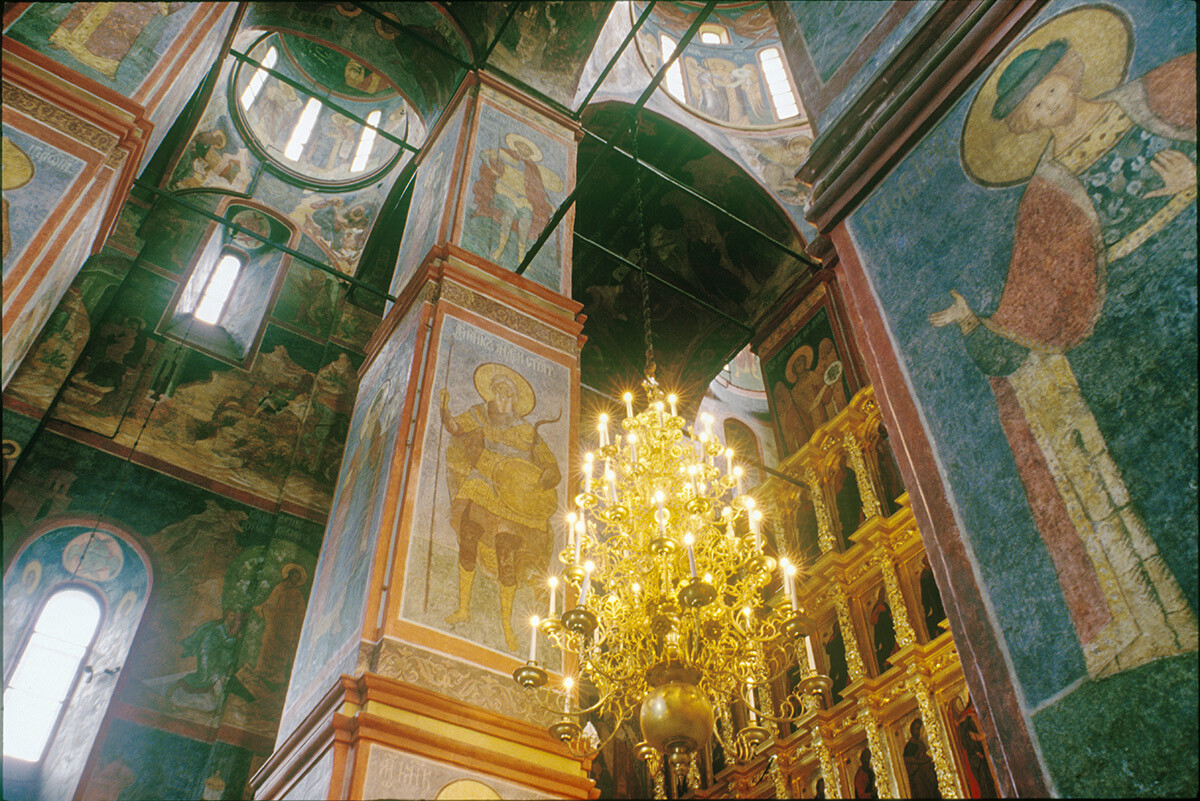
(671, 617)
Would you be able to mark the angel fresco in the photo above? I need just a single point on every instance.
(727, 91)
(512, 191)
(502, 477)
(1110, 171)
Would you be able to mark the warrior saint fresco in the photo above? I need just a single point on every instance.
(502, 478)
(1110, 169)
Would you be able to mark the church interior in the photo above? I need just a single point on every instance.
(310, 311)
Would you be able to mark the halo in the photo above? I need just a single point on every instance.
(513, 138)
(485, 374)
(290, 567)
(992, 155)
(790, 371)
(18, 168)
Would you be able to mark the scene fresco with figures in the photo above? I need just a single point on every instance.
(311, 313)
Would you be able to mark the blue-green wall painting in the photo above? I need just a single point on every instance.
(37, 175)
(329, 642)
(138, 762)
(430, 198)
(833, 29)
(117, 44)
(1065, 418)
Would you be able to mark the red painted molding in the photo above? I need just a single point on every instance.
(991, 683)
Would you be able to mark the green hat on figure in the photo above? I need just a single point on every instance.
(1025, 72)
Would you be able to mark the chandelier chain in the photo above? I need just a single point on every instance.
(641, 211)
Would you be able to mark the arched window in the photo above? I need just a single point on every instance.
(47, 670)
(674, 78)
(304, 126)
(712, 33)
(366, 142)
(256, 82)
(208, 290)
(783, 99)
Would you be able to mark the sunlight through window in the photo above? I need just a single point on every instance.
(46, 672)
(304, 126)
(365, 142)
(711, 33)
(675, 74)
(216, 293)
(256, 83)
(780, 89)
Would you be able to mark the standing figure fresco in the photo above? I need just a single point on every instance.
(1111, 172)
(501, 476)
(511, 191)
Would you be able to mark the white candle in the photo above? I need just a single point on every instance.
(580, 528)
(553, 582)
(754, 518)
(729, 460)
(789, 578)
(588, 567)
(737, 473)
(688, 540)
(751, 707)
(629, 404)
(612, 486)
(707, 419)
(692, 471)
(812, 659)
(533, 621)
(603, 429)
(568, 683)
(587, 472)
(658, 407)
(671, 399)
(570, 528)
(662, 513)
(633, 447)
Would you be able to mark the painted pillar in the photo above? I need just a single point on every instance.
(448, 507)
(90, 90)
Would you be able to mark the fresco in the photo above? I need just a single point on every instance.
(214, 159)
(172, 234)
(286, 416)
(424, 76)
(117, 44)
(338, 224)
(832, 30)
(807, 382)
(334, 617)
(774, 162)
(517, 179)
(490, 485)
(330, 155)
(139, 762)
(394, 774)
(430, 199)
(547, 44)
(37, 176)
(1050, 341)
(231, 581)
(722, 82)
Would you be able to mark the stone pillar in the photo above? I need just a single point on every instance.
(448, 507)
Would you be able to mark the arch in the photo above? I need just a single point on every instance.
(108, 561)
(732, 269)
